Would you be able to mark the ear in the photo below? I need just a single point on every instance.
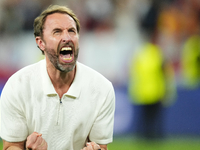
(40, 43)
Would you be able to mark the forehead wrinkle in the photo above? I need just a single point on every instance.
(56, 21)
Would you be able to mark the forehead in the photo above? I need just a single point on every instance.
(59, 20)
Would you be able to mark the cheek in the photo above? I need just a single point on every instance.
(51, 44)
(76, 42)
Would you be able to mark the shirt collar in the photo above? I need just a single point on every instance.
(74, 90)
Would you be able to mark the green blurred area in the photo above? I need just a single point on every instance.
(172, 143)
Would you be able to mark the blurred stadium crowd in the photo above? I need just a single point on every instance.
(112, 31)
(127, 22)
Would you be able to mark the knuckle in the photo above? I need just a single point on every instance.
(34, 147)
(28, 145)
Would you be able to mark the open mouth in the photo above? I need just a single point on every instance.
(66, 54)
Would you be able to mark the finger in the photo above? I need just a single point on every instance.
(92, 143)
(95, 146)
(43, 144)
(37, 143)
(31, 139)
(89, 146)
(38, 134)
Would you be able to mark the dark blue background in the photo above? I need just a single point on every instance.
(182, 117)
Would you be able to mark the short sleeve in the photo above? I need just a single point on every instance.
(102, 130)
(13, 123)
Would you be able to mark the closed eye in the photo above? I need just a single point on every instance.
(57, 31)
(72, 30)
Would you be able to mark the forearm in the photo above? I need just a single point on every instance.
(13, 148)
(13, 145)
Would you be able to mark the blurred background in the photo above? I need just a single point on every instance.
(148, 49)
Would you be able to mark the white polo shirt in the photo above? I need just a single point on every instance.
(30, 103)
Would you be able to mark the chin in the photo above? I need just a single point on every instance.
(66, 69)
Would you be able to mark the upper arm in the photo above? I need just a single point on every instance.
(14, 145)
(102, 129)
(13, 119)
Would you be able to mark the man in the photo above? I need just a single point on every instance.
(57, 103)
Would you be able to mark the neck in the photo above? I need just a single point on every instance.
(61, 80)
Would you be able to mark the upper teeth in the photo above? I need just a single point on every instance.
(66, 49)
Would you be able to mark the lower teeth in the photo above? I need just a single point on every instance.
(67, 58)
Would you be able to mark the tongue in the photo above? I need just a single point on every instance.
(66, 56)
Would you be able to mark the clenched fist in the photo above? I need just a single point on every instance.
(36, 142)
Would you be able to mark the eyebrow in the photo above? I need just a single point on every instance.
(60, 29)
(56, 29)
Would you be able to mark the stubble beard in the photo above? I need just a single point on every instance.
(54, 59)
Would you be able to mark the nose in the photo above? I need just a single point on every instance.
(66, 37)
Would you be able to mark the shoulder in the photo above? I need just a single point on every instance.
(92, 75)
(24, 77)
(28, 71)
(93, 83)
